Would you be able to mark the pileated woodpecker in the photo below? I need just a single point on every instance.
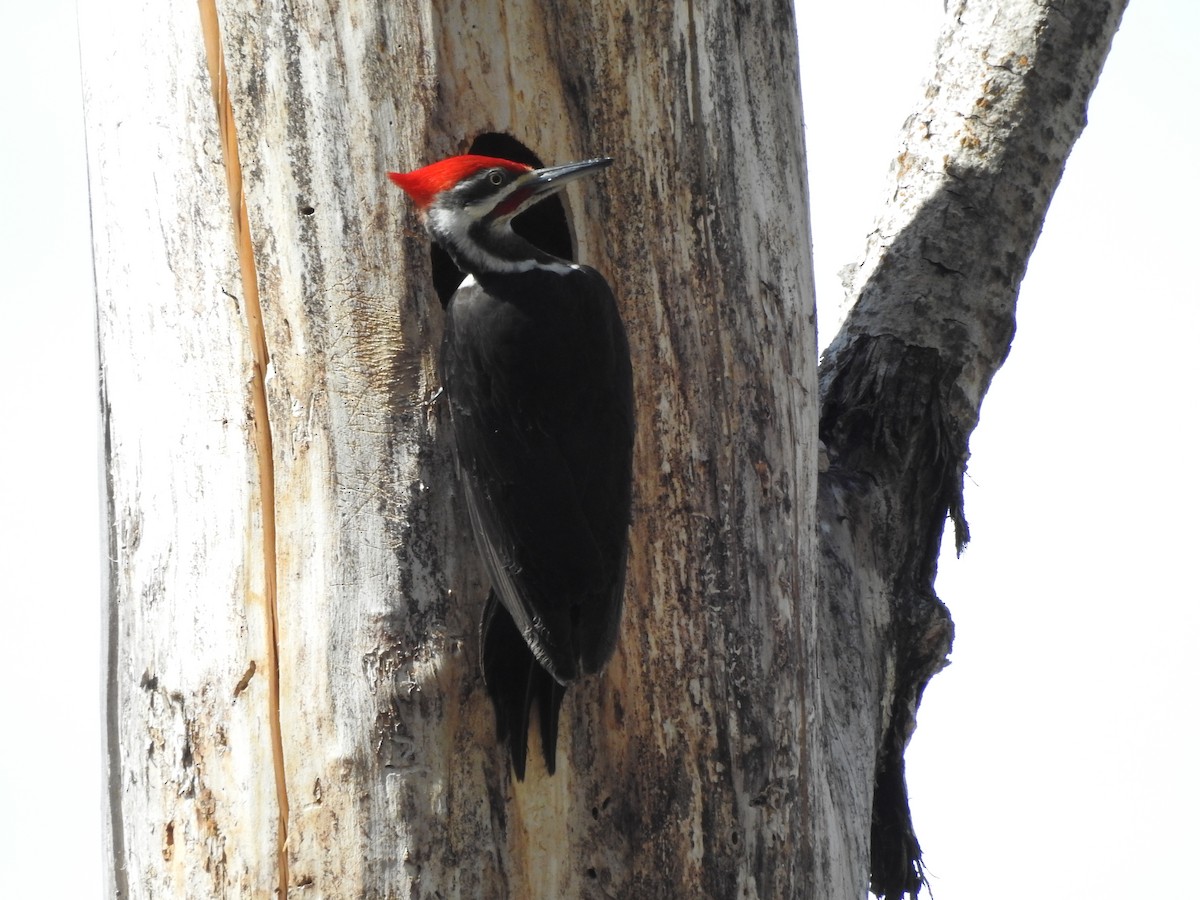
(535, 366)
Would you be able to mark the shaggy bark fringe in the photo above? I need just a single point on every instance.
(883, 418)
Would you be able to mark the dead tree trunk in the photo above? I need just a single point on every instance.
(293, 699)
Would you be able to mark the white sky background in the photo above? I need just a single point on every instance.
(1057, 756)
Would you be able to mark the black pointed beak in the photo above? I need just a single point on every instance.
(547, 181)
(538, 184)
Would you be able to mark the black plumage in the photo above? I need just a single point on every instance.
(536, 371)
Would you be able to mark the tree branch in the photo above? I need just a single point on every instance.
(933, 320)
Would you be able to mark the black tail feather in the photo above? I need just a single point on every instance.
(514, 682)
(550, 697)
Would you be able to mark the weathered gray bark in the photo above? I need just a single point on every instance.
(902, 383)
(294, 703)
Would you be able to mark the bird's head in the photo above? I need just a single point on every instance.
(468, 203)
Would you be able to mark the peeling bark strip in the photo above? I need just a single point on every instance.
(934, 316)
(211, 26)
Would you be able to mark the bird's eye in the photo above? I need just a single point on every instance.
(496, 178)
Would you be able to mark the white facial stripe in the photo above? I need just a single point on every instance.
(451, 219)
(453, 225)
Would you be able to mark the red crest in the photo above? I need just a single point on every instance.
(427, 182)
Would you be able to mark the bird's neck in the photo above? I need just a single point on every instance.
(481, 247)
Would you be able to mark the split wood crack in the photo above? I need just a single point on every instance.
(264, 449)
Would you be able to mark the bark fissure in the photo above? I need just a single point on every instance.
(264, 448)
(111, 598)
(112, 650)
